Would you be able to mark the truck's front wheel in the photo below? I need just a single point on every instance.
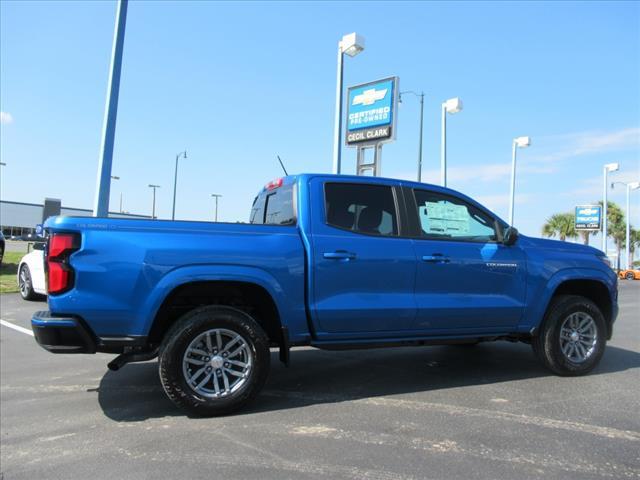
(214, 360)
(572, 338)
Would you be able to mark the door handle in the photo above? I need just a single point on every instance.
(339, 255)
(435, 258)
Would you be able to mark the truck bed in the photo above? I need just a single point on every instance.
(143, 260)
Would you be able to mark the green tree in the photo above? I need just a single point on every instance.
(633, 243)
(561, 225)
(585, 236)
(616, 227)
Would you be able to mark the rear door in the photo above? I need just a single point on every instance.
(467, 280)
(363, 270)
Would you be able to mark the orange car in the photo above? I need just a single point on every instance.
(629, 274)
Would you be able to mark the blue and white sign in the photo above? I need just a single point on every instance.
(39, 229)
(588, 217)
(371, 112)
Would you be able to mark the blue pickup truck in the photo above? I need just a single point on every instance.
(334, 262)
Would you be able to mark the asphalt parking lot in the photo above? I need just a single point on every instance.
(490, 411)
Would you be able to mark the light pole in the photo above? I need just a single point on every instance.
(115, 177)
(421, 97)
(351, 44)
(153, 205)
(216, 196)
(451, 106)
(609, 167)
(522, 142)
(103, 182)
(2, 164)
(627, 251)
(175, 183)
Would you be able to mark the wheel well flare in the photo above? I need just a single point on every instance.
(248, 297)
(595, 291)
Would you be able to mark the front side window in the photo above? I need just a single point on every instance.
(368, 209)
(448, 218)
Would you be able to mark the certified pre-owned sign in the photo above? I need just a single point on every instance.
(371, 112)
(588, 217)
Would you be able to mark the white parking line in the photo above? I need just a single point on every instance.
(16, 327)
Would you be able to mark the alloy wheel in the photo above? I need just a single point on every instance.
(578, 337)
(217, 363)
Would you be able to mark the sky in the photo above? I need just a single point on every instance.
(236, 84)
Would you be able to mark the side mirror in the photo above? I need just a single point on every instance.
(510, 236)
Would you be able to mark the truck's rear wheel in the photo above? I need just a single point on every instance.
(214, 360)
(572, 338)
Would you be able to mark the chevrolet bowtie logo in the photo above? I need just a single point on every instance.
(369, 97)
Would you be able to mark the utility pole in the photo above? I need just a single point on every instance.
(175, 184)
(421, 97)
(153, 205)
(216, 196)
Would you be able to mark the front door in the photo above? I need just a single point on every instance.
(467, 280)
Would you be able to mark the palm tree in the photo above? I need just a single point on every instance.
(585, 236)
(560, 224)
(634, 242)
(616, 227)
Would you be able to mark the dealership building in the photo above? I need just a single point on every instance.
(19, 218)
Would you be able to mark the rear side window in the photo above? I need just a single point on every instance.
(368, 209)
(274, 207)
(257, 210)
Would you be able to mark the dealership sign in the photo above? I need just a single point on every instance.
(371, 112)
(588, 217)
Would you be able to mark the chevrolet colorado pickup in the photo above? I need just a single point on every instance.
(334, 262)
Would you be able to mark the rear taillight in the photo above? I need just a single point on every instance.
(59, 272)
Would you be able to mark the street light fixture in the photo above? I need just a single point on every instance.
(421, 97)
(518, 142)
(153, 205)
(216, 196)
(175, 183)
(451, 106)
(627, 251)
(351, 44)
(609, 167)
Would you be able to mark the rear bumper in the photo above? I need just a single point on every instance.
(62, 334)
(70, 334)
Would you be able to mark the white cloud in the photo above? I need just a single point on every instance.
(599, 142)
(498, 202)
(5, 118)
(589, 143)
(576, 144)
(592, 187)
(567, 146)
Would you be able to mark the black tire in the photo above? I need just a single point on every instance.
(25, 283)
(630, 276)
(187, 330)
(547, 345)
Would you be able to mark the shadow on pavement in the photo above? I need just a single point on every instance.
(315, 376)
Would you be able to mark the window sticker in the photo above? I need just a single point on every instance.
(445, 218)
